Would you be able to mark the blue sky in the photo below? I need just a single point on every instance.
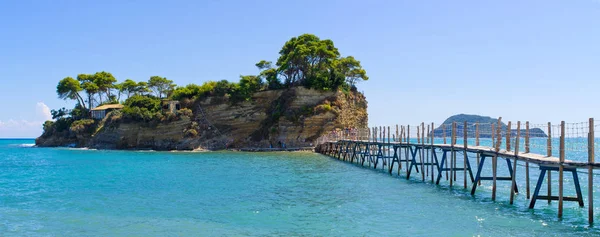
(427, 60)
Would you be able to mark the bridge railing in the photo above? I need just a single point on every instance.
(573, 140)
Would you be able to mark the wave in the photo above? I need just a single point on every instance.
(27, 145)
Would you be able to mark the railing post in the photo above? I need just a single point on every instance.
(591, 151)
(495, 158)
(527, 162)
(465, 142)
(508, 133)
(432, 151)
(561, 169)
(549, 151)
(514, 174)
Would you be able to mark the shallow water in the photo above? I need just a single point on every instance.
(70, 192)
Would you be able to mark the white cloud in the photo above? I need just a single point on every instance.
(43, 111)
(26, 128)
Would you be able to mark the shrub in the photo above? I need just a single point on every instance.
(152, 104)
(185, 112)
(191, 132)
(141, 108)
(323, 108)
(83, 126)
(48, 126)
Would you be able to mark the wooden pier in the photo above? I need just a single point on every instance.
(434, 158)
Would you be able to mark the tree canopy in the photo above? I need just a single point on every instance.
(305, 60)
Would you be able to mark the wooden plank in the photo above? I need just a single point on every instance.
(561, 169)
(591, 157)
(514, 175)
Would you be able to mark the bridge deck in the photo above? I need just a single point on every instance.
(489, 151)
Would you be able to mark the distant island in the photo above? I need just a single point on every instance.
(486, 121)
(310, 90)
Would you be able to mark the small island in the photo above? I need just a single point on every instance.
(472, 120)
(311, 89)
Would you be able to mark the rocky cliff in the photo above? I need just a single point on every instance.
(293, 117)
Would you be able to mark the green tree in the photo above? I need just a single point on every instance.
(90, 88)
(305, 58)
(141, 88)
(105, 82)
(352, 70)
(69, 88)
(129, 87)
(161, 86)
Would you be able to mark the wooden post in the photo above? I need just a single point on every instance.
(397, 134)
(418, 135)
(432, 151)
(508, 133)
(527, 162)
(493, 135)
(454, 136)
(477, 144)
(465, 154)
(423, 150)
(495, 158)
(427, 154)
(591, 171)
(561, 169)
(549, 150)
(452, 156)
(514, 174)
(444, 132)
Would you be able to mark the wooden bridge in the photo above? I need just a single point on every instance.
(432, 156)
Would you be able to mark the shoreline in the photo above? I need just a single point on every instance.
(198, 150)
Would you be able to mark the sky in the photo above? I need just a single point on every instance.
(524, 60)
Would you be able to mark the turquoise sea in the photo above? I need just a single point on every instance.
(71, 192)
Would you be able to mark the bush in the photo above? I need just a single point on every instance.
(191, 132)
(185, 112)
(141, 108)
(151, 104)
(323, 108)
(48, 126)
(83, 126)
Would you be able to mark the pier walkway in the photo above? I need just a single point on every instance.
(432, 155)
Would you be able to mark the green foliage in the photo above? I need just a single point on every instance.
(129, 87)
(48, 126)
(150, 103)
(140, 107)
(83, 126)
(59, 126)
(105, 81)
(191, 132)
(248, 85)
(56, 114)
(69, 88)
(311, 62)
(161, 86)
(185, 112)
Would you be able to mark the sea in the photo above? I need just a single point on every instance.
(82, 192)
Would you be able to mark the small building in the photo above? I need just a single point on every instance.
(170, 106)
(101, 111)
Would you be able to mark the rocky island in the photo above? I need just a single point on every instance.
(309, 91)
(482, 121)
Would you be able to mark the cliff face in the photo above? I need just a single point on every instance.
(295, 117)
